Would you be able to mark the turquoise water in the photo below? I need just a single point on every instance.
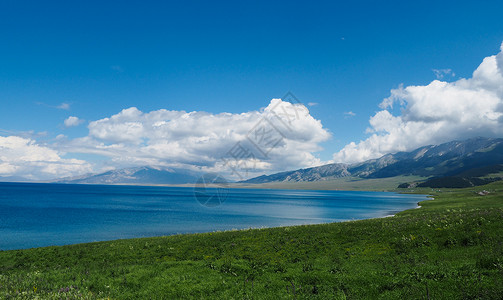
(36, 215)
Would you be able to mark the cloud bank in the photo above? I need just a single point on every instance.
(279, 137)
(23, 157)
(436, 113)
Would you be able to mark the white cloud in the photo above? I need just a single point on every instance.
(24, 157)
(205, 140)
(436, 113)
(64, 106)
(349, 114)
(73, 121)
(441, 73)
(312, 103)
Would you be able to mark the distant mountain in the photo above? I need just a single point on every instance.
(139, 175)
(325, 172)
(447, 159)
(455, 163)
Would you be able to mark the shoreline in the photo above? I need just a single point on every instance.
(261, 262)
(340, 184)
(303, 186)
(222, 231)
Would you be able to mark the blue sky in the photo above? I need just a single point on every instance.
(91, 60)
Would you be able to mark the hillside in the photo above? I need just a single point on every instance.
(411, 168)
(443, 160)
(138, 175)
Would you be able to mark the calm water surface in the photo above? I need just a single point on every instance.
(35, 215)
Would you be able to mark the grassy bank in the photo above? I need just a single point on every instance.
(451, 248)
(343, 184)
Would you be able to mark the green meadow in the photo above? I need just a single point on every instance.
(450, 248)
(342, 183)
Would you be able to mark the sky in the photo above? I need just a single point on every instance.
(241, 88)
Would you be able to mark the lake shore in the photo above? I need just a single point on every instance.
(448, 249)
(37, 215)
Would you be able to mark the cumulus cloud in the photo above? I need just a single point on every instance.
(436, 113)
(73, 121)
(281, 136)
(24, 157)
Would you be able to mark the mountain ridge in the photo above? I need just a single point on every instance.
(138, 175)
(445, 159)
(432, 161)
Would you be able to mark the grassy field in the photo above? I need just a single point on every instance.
(343, 183)
(450, 248)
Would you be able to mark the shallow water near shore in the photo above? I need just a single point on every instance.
(37, 215)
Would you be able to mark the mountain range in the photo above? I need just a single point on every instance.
(452, 159)
(453, 164)
(138, 175)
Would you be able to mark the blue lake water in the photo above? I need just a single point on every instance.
(36, 215)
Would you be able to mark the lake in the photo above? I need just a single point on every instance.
(37, 214)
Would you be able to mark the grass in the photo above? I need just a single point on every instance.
(451, 248)
(493, 175)
(343, 183)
